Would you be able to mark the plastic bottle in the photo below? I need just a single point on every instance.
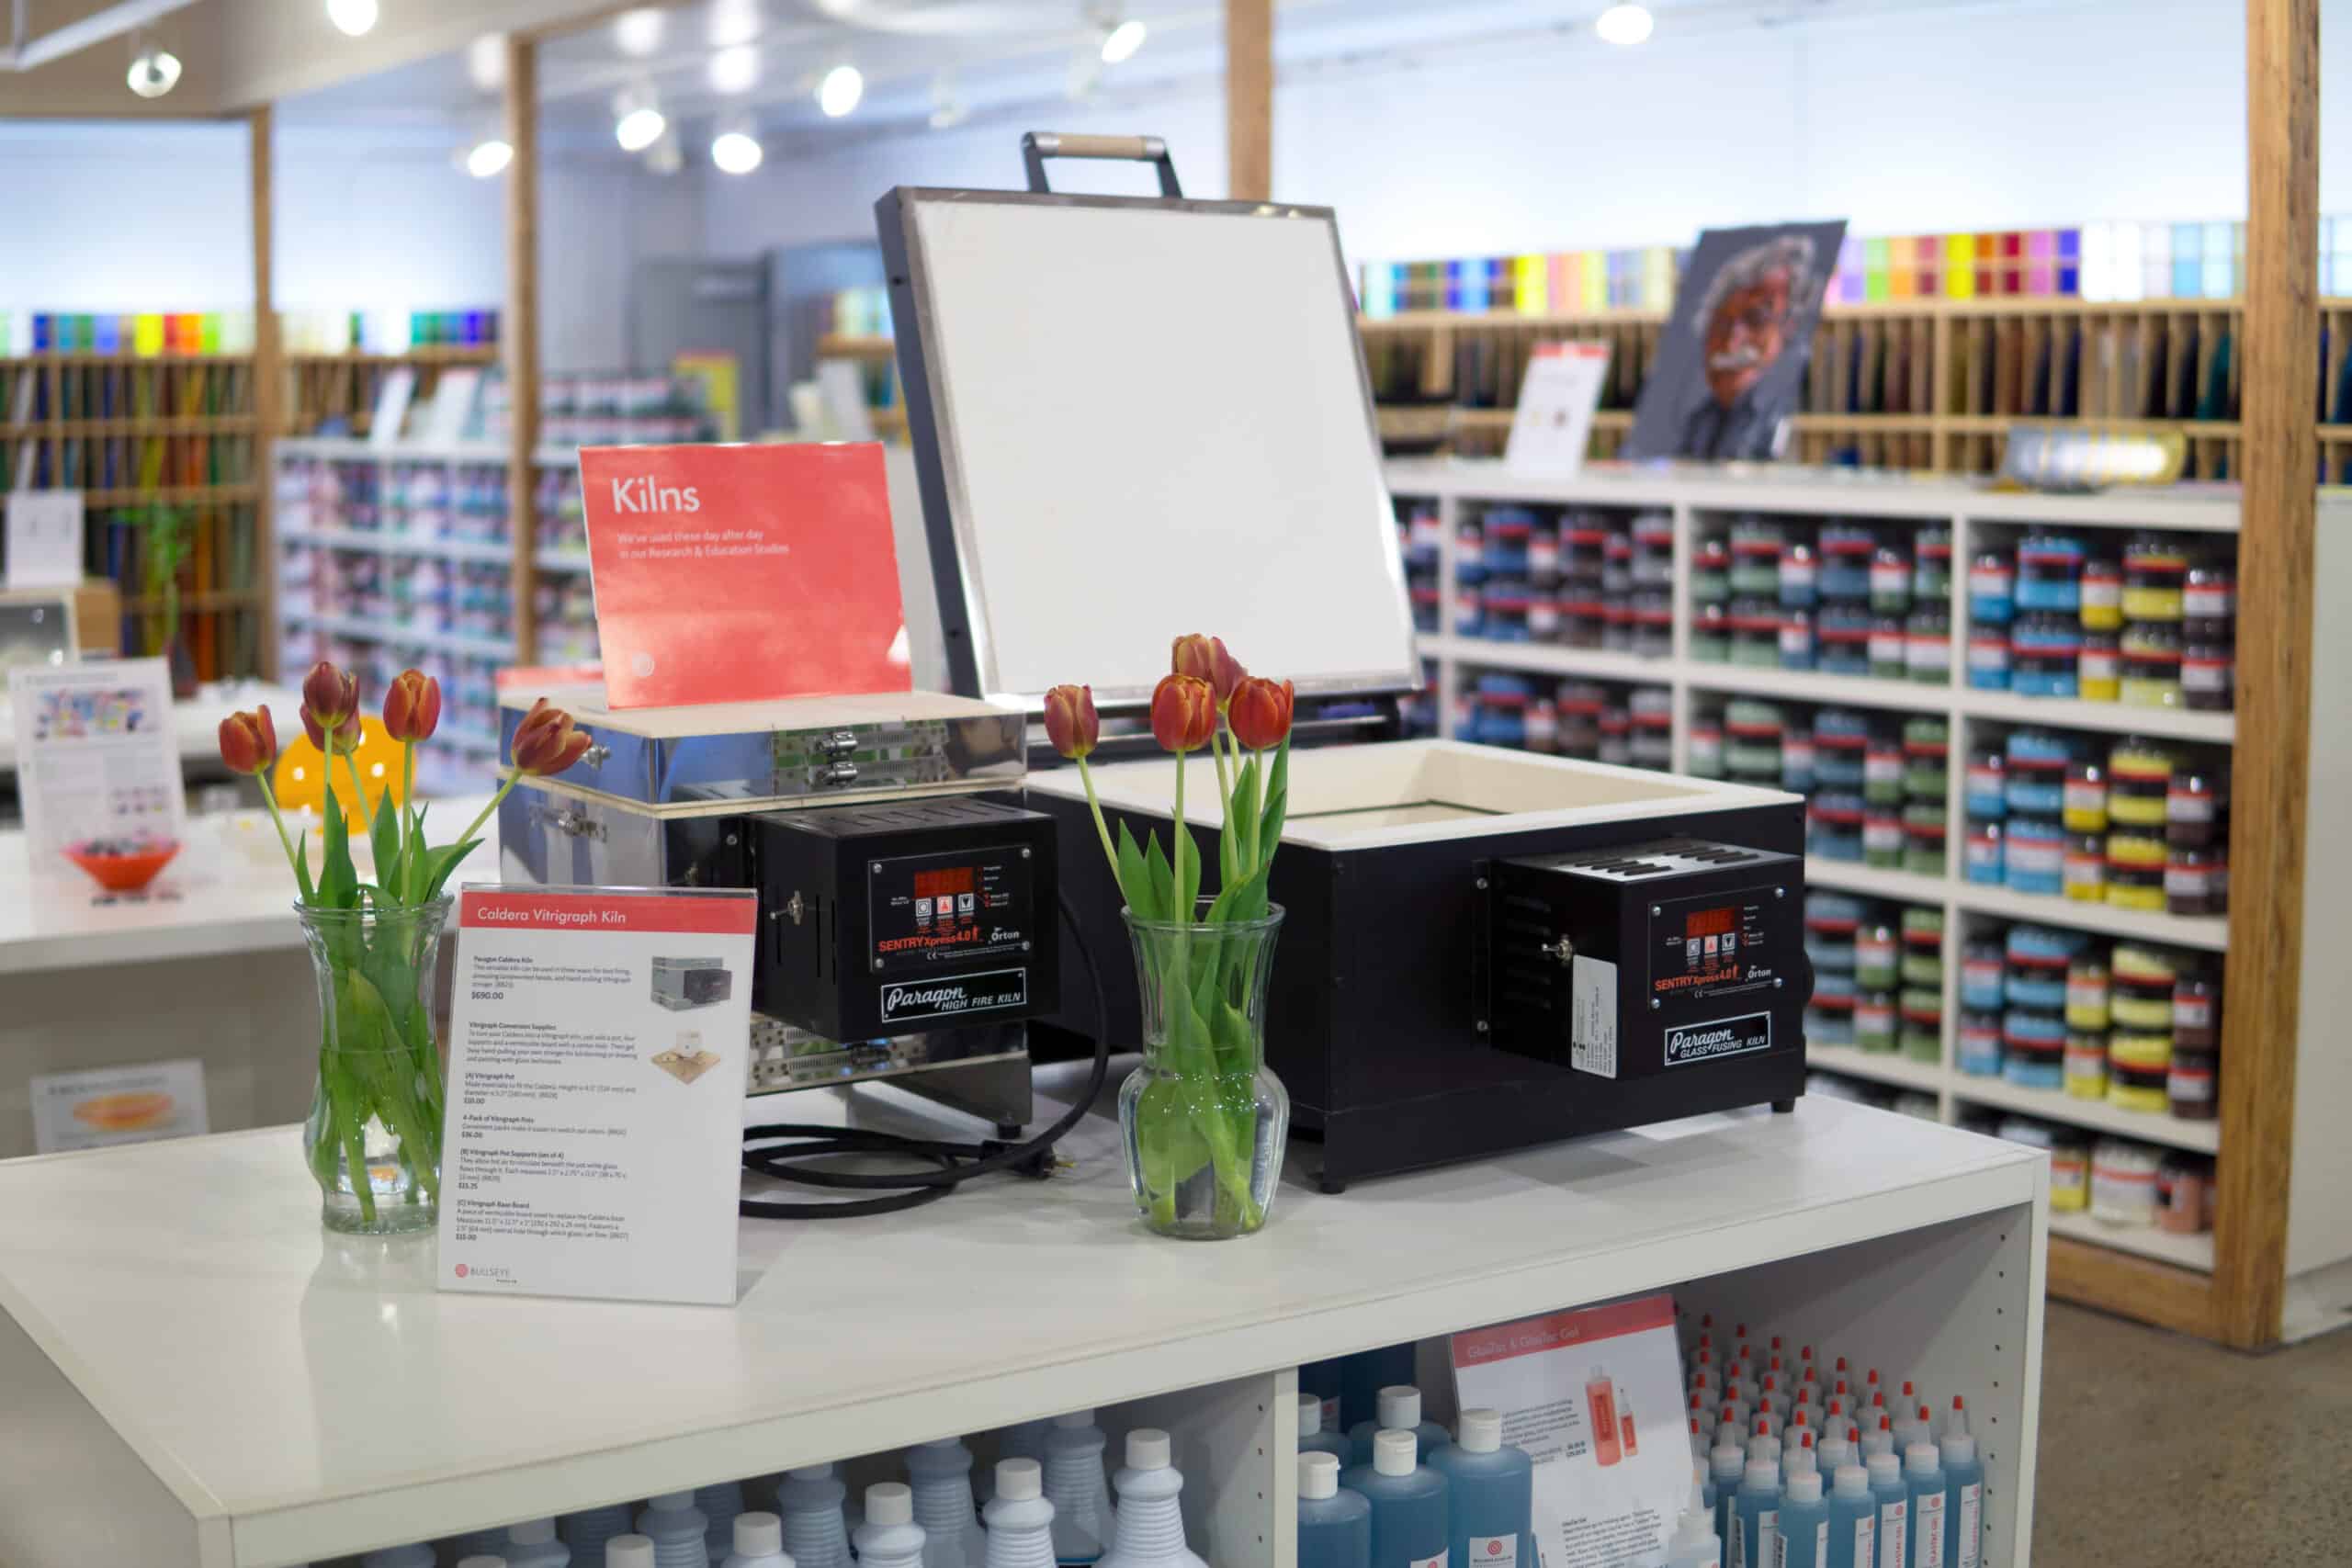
(1151, 1522)
(587, 1531)
(1911, 1426)
(1020, 1520)
(1728, 1467)
(1400, 1409)
(1893, 1501)
(1694, 1543)
(720, 1501)
(1853, 1520)
(677, 1530)
(889, 1538)
(1880, 1440)
(1409, 1504)
(1702, 1444)
(1334, 1524)
(1964, 1494)
(416, 1554)
(1491, 1496)
(1834, 1450)
(1313, 1438)
(808, 1500)
(939, 1475)
(1758, 1509)
(1800, 1460)
(1803, 1524)
(1075, 1486)
(628, 1551)
(1923, 1473)
(532, 1544)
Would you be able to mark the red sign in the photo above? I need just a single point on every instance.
(743, 573)
(597, 910)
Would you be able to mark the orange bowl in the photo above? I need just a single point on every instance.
(123, 872)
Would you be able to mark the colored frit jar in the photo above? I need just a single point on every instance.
(1889, 580)
(1923, 833)
(2070, 1174)
(2050, 569)
(2123, 1182)
(1874, 1020)
(2147, 1089)
(1800, 572)
(1796, 759)
(2151, 666)
(2102, 594)
(1710, 632)
(1979, 1047)
(2208, 674)
(2209, 591)
(1842, 640)
(1846, 562)
(1931, 563)
(1992, 583)
(2087, 867)
(1984, 972)
(2035, 855)
(2191, 1084)
(1988, 658)
(2197, 1011)
(2197, 882)
(1882, 838)
(2155, 571)
(2082, 807)
(2085, 1065)
(1756, 633)
(1889, 654)
(1983, 787)
(1926, 645)
(1796, 638)
(2099, 667)
(2086, 992)
(1984, 857)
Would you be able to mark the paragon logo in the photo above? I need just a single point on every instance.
(643, 495)
(1723, 1037)
(968, 993)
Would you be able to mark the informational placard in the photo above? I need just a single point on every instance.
(450, 416)
(598, 1055)
(102, 1106)
(390, 421)
(45, 539)
(1552, 424)
(98, 761)
(743, 573)
(1594, 1397)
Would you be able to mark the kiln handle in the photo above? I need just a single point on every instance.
(1037, 146)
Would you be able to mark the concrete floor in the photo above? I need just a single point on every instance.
(2159, 1450)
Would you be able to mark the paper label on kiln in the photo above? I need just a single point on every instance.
(1592, 1016)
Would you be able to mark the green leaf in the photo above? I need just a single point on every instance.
(302, 867)
(1270, 835)
(1135, 877)
(1188, 897)
(439, 864)
(1163, 882)
(384, 837)
(338, 882)
(413, 863)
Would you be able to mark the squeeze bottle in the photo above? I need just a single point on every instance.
(1834, 1451)
(1020, 1522)
(1800, 1460)
(1757, 1507)
(1964, 1496)
(677, 1530)
(1490, 1494)
(1880, 1439)
(1074, 1485)
(532, 1544)
(939, 1479)
(1694, 1543)
(1853, 1520)
(889, 1538)
(1151, 1522)
(757, 1540)
(1409, 1504)
(1729, 1467)
(1893, 1499)
(1334, 1526)
(628, 1551)
(1804, 1523)
(809, 1501)
(1923, 1474)
(1313, 1438)
(587, 1531)
(1911, 1426)
(1400, 1410)
(720, 1501)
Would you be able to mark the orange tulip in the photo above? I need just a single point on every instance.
(1261, 712)
(330, 696)
(546, 743)
(249, 742)
(413, 706)
(1183, 713)
(1071, 723)
(342, 740)
(1205, 659)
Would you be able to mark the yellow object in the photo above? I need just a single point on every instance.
(1960, 266)
(147, 337)
(2133, 1097)
(1534, 285)
(1595, 279)
(300, 776)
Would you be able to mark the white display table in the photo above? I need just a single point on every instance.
(196, 1376)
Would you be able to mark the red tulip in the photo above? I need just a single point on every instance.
(1183, 713)
(1205, 659)
(330, 696)
(546, 743)
(413, 706)
(249, 742)
(1261, 712)
(344, 738)
(1071, 720)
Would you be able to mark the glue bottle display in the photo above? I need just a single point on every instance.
(939, 1475)
(587, 1531)
(1853, 1520)
(1020, 1520)
(1803, 1540)
(1894, 1500)
(889, 1538)
(1491, 1495)
(808, 1500)
(1964, 1494)
(1923, 1474)
(1314, 1439)
(1399, 1409)
(1150, 1532)
(1758, 1511)
(1334, 1524)
(1409, 1504)
(1694, 1543)
(677, 1530)
(532, 1544)
(1074, 1485)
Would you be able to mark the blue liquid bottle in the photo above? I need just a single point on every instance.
(1729, 1466)
(1803, 1524)
(1894, 1500)
(1491, 1496)
(1400, 1410)
(1334, 1526)
(1312, 1436)
(1923, 1475)
(1758, 1508)
(1409, 1504)
(1964, 1495)
(1853, 1520)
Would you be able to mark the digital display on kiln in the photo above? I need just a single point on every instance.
(946, 883)
(1709, 922)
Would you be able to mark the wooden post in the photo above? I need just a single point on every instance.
(519, 330)
(2262, 993)
(1249, 99)
(269, 388)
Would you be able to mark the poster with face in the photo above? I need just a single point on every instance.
(1733, 355)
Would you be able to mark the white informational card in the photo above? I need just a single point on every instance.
(1594, 1396)
(389, 421)
(1552, 424)
(45, 539)
(451, 412)
(103, 1105)
(593, 1142)
(98, 763)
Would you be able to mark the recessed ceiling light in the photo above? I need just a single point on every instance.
(735, 70)
(489, 157)
(352, 17)
(1119, 45)
(839, 93)
(735, 151)
(639, 33)
(1625, 25)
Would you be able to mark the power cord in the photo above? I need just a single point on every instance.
(955, 1163)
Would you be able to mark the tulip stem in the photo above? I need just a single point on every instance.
(1086, 777)
(1227, 860)
(1183, 917)
(269, 798)
(512, 774)
(350, 767)
(1257, 818)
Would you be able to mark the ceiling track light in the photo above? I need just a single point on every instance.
(839, 93)
(154, 70)
(637, 120)
(1624, 25)
(1121, 39)
(736, 148)
(352, 18)
(487, 158)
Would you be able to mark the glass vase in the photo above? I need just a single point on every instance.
(374, 1137)
(1204, 1123)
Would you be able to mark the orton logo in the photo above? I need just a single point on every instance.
(644, 495)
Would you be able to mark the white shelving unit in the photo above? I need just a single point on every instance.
(1697, 496)
(197, 1377)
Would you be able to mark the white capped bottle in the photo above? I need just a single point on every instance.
(809, 1501)
(889, 1538)
(756, 1542)
(532, 1544)
(1020, 1520)
(416, 1554)
(1694, 1543)
(719, 1503)
(587, 1531)
(1084, 1520)
(629, 1551)
(940, 1474)
(1150, 1532)
(677, 1530)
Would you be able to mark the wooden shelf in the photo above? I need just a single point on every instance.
(2192, 1252)
(838, 345)
(165, 359)
(172, 495)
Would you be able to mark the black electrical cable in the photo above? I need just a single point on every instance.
(957, 1163)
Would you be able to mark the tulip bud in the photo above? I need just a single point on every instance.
(249, 742)
(546, 743)
(1205, 659)
(330, 696)
(1071, 720)
(413, 706)
(1260, 711)
(1183, 713)
(344, 740)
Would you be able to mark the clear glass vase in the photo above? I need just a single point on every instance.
(374, 1137)
(1204, 1121)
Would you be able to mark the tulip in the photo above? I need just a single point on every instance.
(1071, 723)
(546, 743)
(1261, 713)
(1206, 659)
(330, 699)
(342, 740)
(249, 742)
(1183, 713)
(413, 706)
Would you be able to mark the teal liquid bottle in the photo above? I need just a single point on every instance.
(1923, 1475)
(1334, 1524)
(1964, 1495)
(1409, 1504)
(1728, 1466)
(1894, 1500)
(1853, 1520)
(1312, 1436)
(1490, 1496)
(1757, 1507)
(1803, 1524)
(1399, 1410)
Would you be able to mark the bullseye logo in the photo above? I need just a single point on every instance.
(461, 1271)
(1494, 1548)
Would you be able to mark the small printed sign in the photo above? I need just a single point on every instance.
(103, 1105)
(1552, 424)
(45, 539)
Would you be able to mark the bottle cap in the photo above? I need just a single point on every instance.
(1396, 1451)
(1804, 1353)
(1148, 1449)
(812, 1472)
(531, 1532)
(1727, 1462)
(1959, 1449)
(1400, 1405)
(1884, 1469)
(888, 1503)
(1804, 1486)
(1310, 1415)
(1482, 1430)
(1908, 1397)
(629, 1551)
(1853, 1481)
(672, 1502)
(1841, 1366)
(1019, 1479)
(1761, 1472)
(762, 1535)
(1318, 1474)
(482, 1560)
(1073, 1420)
(1919, 1459)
